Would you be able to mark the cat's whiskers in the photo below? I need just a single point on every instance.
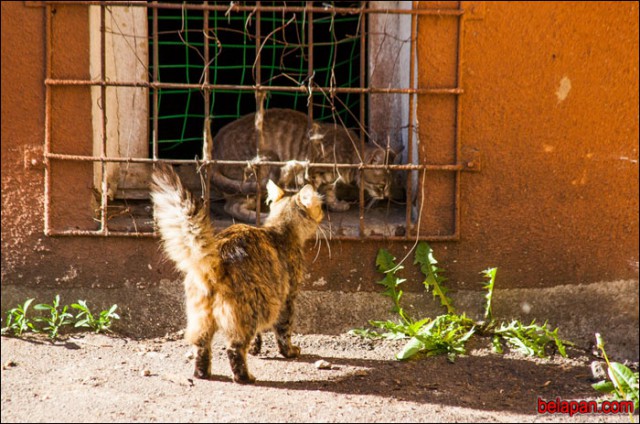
(318, 242)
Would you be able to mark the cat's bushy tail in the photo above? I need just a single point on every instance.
(183, 223)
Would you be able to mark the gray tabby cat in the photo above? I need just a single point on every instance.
(286, 138)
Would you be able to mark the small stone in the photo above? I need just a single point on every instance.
(178, 379)
(145, 373)
(322, 365)
(597, 371)
(9, 364)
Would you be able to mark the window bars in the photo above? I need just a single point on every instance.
(413, 170)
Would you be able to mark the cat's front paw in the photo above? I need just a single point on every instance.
(244, 379)
(203, 374)
(290, 352)
(338, 206)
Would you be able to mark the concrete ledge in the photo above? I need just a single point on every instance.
(610, 308)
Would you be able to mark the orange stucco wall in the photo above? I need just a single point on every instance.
(550, 103)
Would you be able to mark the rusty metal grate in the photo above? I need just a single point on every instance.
(414, 169)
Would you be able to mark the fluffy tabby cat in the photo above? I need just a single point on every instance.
(286, 138)
(241, 280)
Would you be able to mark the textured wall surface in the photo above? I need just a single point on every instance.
(550, 103)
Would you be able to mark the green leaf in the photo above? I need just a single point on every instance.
(82, 323)
(365, 333)
(489, 273)
(411, 348)
(26, 304)
(43, 307)
(387, 266)
(390, 326)
(559, 343)
(624, 379)
(385, 261)
(415, 327)
(604, 386)
(599, 341)
(424, 257)
(497, 346)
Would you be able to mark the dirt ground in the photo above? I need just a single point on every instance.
(98, 378)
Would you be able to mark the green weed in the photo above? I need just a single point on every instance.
(56, 318)
(448, 334)
(433, 278)
(531, 340)
(17, 321)
(100, 323)
(622, 383)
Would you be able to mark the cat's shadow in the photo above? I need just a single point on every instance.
(490, 382)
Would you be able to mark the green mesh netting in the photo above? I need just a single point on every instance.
(232, 49)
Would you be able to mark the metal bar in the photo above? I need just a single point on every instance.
(156, 65)
(412, 83)
(302, 88)
(363, 52)
(458, 122)
(259, 108)
(445, 237)
(310, 69)
(240, 8)
(101, 233)
(47, 124)
(207, 147)
(141, 234)
(103, 94)
(390, 167)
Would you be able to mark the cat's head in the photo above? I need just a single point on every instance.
(377, 182)
(302, 209)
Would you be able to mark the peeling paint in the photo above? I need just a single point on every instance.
(626, 158)
(563, 90)
(582, 180)
(71, 274)
(319, 283)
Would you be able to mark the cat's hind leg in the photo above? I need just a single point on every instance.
(238, 323)
(237, 353)
(256, 345)
(201, 325)
(282, 329)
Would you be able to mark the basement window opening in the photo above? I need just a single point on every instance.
(348, 65)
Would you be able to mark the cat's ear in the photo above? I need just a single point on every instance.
(308, 196)
(393, 154)
(376, 157)
(274, 193)
(316, 139)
